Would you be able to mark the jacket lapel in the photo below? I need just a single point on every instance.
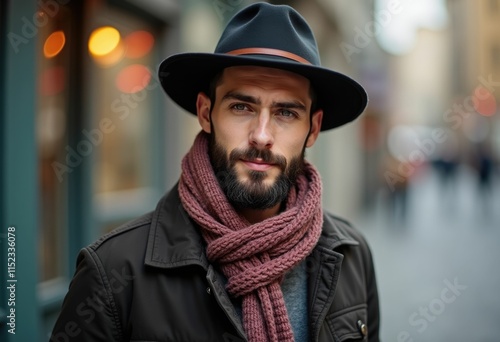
(173, 240)
(324, 266)
(217, 285)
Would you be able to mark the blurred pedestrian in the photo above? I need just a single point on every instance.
(398, 184)
(240, 249)
(484, 165)
(447, 165)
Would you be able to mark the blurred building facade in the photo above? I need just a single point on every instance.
(89, 140)
(475, 39)
(85, 138)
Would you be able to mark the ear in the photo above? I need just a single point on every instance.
(203, 111)
(317, 118)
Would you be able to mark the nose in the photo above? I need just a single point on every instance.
(261, 135)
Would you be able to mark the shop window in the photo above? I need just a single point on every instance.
(97, 116)
(122, 98)
(52, 140)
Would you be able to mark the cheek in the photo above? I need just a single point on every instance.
(293, 148)
(225, 140)
(231, 136)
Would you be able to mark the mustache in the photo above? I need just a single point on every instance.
(253, 153)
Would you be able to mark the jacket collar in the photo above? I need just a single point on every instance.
(175, 240)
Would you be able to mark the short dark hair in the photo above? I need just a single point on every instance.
(212, 86)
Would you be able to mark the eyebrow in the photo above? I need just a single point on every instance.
(241, 97)
(251, 99)
(290, 105)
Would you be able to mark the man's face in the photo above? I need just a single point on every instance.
(260, 125)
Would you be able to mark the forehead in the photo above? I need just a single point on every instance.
(265, 77)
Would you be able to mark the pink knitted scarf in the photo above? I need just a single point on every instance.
(254, 257)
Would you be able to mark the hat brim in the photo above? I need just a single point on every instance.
(183, 76)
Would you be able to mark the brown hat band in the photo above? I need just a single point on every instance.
(267, 51)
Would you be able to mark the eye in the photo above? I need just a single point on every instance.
(240, 107)
(287, 113)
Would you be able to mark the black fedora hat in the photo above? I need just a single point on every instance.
(274, 36)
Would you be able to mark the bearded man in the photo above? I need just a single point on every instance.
(240, 249)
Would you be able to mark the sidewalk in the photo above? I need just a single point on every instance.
(437, 270)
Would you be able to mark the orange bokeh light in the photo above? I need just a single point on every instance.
(103, 40)
(54, 44)
(106, 46)
(133, 78)
(111, 58)
(139, 43)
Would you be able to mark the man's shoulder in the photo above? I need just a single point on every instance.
(136, 240)
(130, 230)
(125, 245)
(341, 230)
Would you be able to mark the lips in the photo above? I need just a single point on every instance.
(257, 165)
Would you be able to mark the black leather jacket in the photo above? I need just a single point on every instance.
(149, 280)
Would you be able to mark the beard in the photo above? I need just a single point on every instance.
(254, 193)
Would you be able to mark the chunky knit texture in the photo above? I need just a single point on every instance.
(254, 257)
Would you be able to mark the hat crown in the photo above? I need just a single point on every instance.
(267, 26)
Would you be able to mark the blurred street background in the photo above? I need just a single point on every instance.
(449, 234)
(90, 141)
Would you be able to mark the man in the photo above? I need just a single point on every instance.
(240, 249)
